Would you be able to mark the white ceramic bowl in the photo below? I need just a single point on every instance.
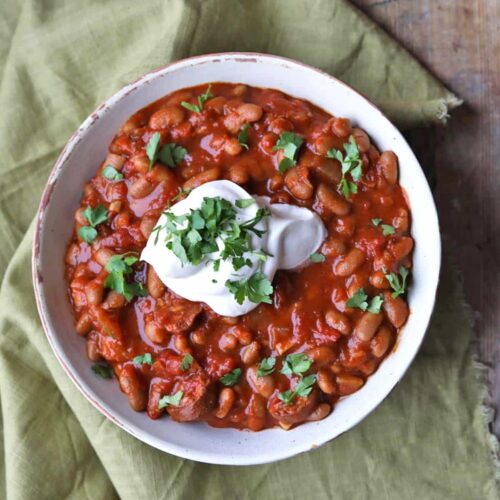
(79, 161)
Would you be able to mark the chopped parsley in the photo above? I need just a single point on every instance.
(232, 378)
(245, 203)
(351, 164)
(119, 267)
(171, 154)
(202, 99)
(102, 370)
(296, 364)
(290, 144)
(317, 257)
(360, 301)
(376, 222)
(256, 288)
(152, 148)
(266, 367)
(398, 282)
(243, 136)
(171, 400)
(143, 359)
(186, 362)
(303, 389)
(387, 229)
(109, 172)
(94, 216)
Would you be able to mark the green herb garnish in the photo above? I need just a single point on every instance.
(376, 222)
(109, 172)
(317, 257)
(186, 362)
(103, 371)
(303, 389)
(351, 164)
(290, 144)
(118, 267)
(171, 400)
(296, 363)
(94, 216)
(232, 378)
(257, 288)
(143, 359)
(398, 285)
(152, 148)
(171, 154)
(244, 203)
(243, 135)
(387, 229)
(266, 367)
(360, 301)
(202, 99)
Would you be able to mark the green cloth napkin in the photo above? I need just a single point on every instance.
(58, 60)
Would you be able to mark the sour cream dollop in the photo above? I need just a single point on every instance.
(291, 235)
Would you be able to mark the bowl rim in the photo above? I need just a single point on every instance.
(212, 457)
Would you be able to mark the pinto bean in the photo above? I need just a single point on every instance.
(339, 321)
(133, 388)
(396, 309)
(320, 412)
(261, 385)
(94, 291)
(297, 181)
(84, 324)
(92, 348)
(148, 223)
(238, 174)
(155, 332)
(80, 218)
(226, 399)
(328, 171)
(166, 117)
(387, 165)
(367, 326)
(239, 90)
(228, 342)
(141, 163)
(141, 188)
(233, 122)
(181, 343)
(326, 381)
(323, 144)
(250, 112)
(380, 342)
(209, 175)
(322, 355)
(232, 147)
(341, 127)
(401, 248)
(362, 139)
(114, 300)
(333, 247)
(378, 280)
(160, 173)
(154, 284)
(250, 353)
(401, 221)
(347, 384)
(199, 337)
(332, 201)
(243, 334)
(72, 254)
(347, 264)
(115, 161)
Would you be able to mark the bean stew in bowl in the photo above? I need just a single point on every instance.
(240, 257)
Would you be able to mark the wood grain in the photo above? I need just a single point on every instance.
(459, 42)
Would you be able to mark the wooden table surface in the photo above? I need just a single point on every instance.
(459, 42)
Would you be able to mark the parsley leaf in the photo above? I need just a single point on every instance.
(103, 371)
(387, 229)
(266, 367)
(243, 135)
(118, 267)
(109, 172)
(296, 363)
(94, 216)
(244, 203)
(87, 233)
(360, 301)
(143, 359)
(186, 362)
(350, 163)
(398, 285)
(376, 222)
(257, 288)
(171, 154)
(317, 257)
(202, 99)
(286, 397)
(232, 378)
(303, 389)
(152, 148)
(290, 144)
(171, 400)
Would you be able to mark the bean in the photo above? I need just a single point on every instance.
(341, 127)
(141, 164)
(148, 223)
(320, 412)
(396, 309)
(323, 144)
(387, 165)
(238, 174)
(155, 332)
(154, 284)
(297, 181)
(232, 147)
(239, 90)
(380, 342)
(333, 247)
(133, 388)
(233, 122)
(378, 280)
(243, 334)
(285, 426)
(166, 117)
(250, 353)
(326, 381)
(401, 221)
(228, 342)
(92, 348)
(362, 139)
(355, 282)
(106, 323)
(329, 172)
(347, 384)
(322, 355)
(256, 411)
(367, 325)
(229, 320)
(347, 264)
(141, 188)
(280, 125)
(217, 104)
(199, 337)
(80, 218)
(276, 182)
(250, 112)
(115, 161)
(181, 343)
(226, 399)
(369, 367)
(115, 206)
(373, 155)
(260, 385)
(122, 220)
(178, 97)
(402, 247)
(339, 321)
(160, 173)
(94, 291)
(114, 300)
(84, 324)
(72, 255)
(332, 201)
(209, 175)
